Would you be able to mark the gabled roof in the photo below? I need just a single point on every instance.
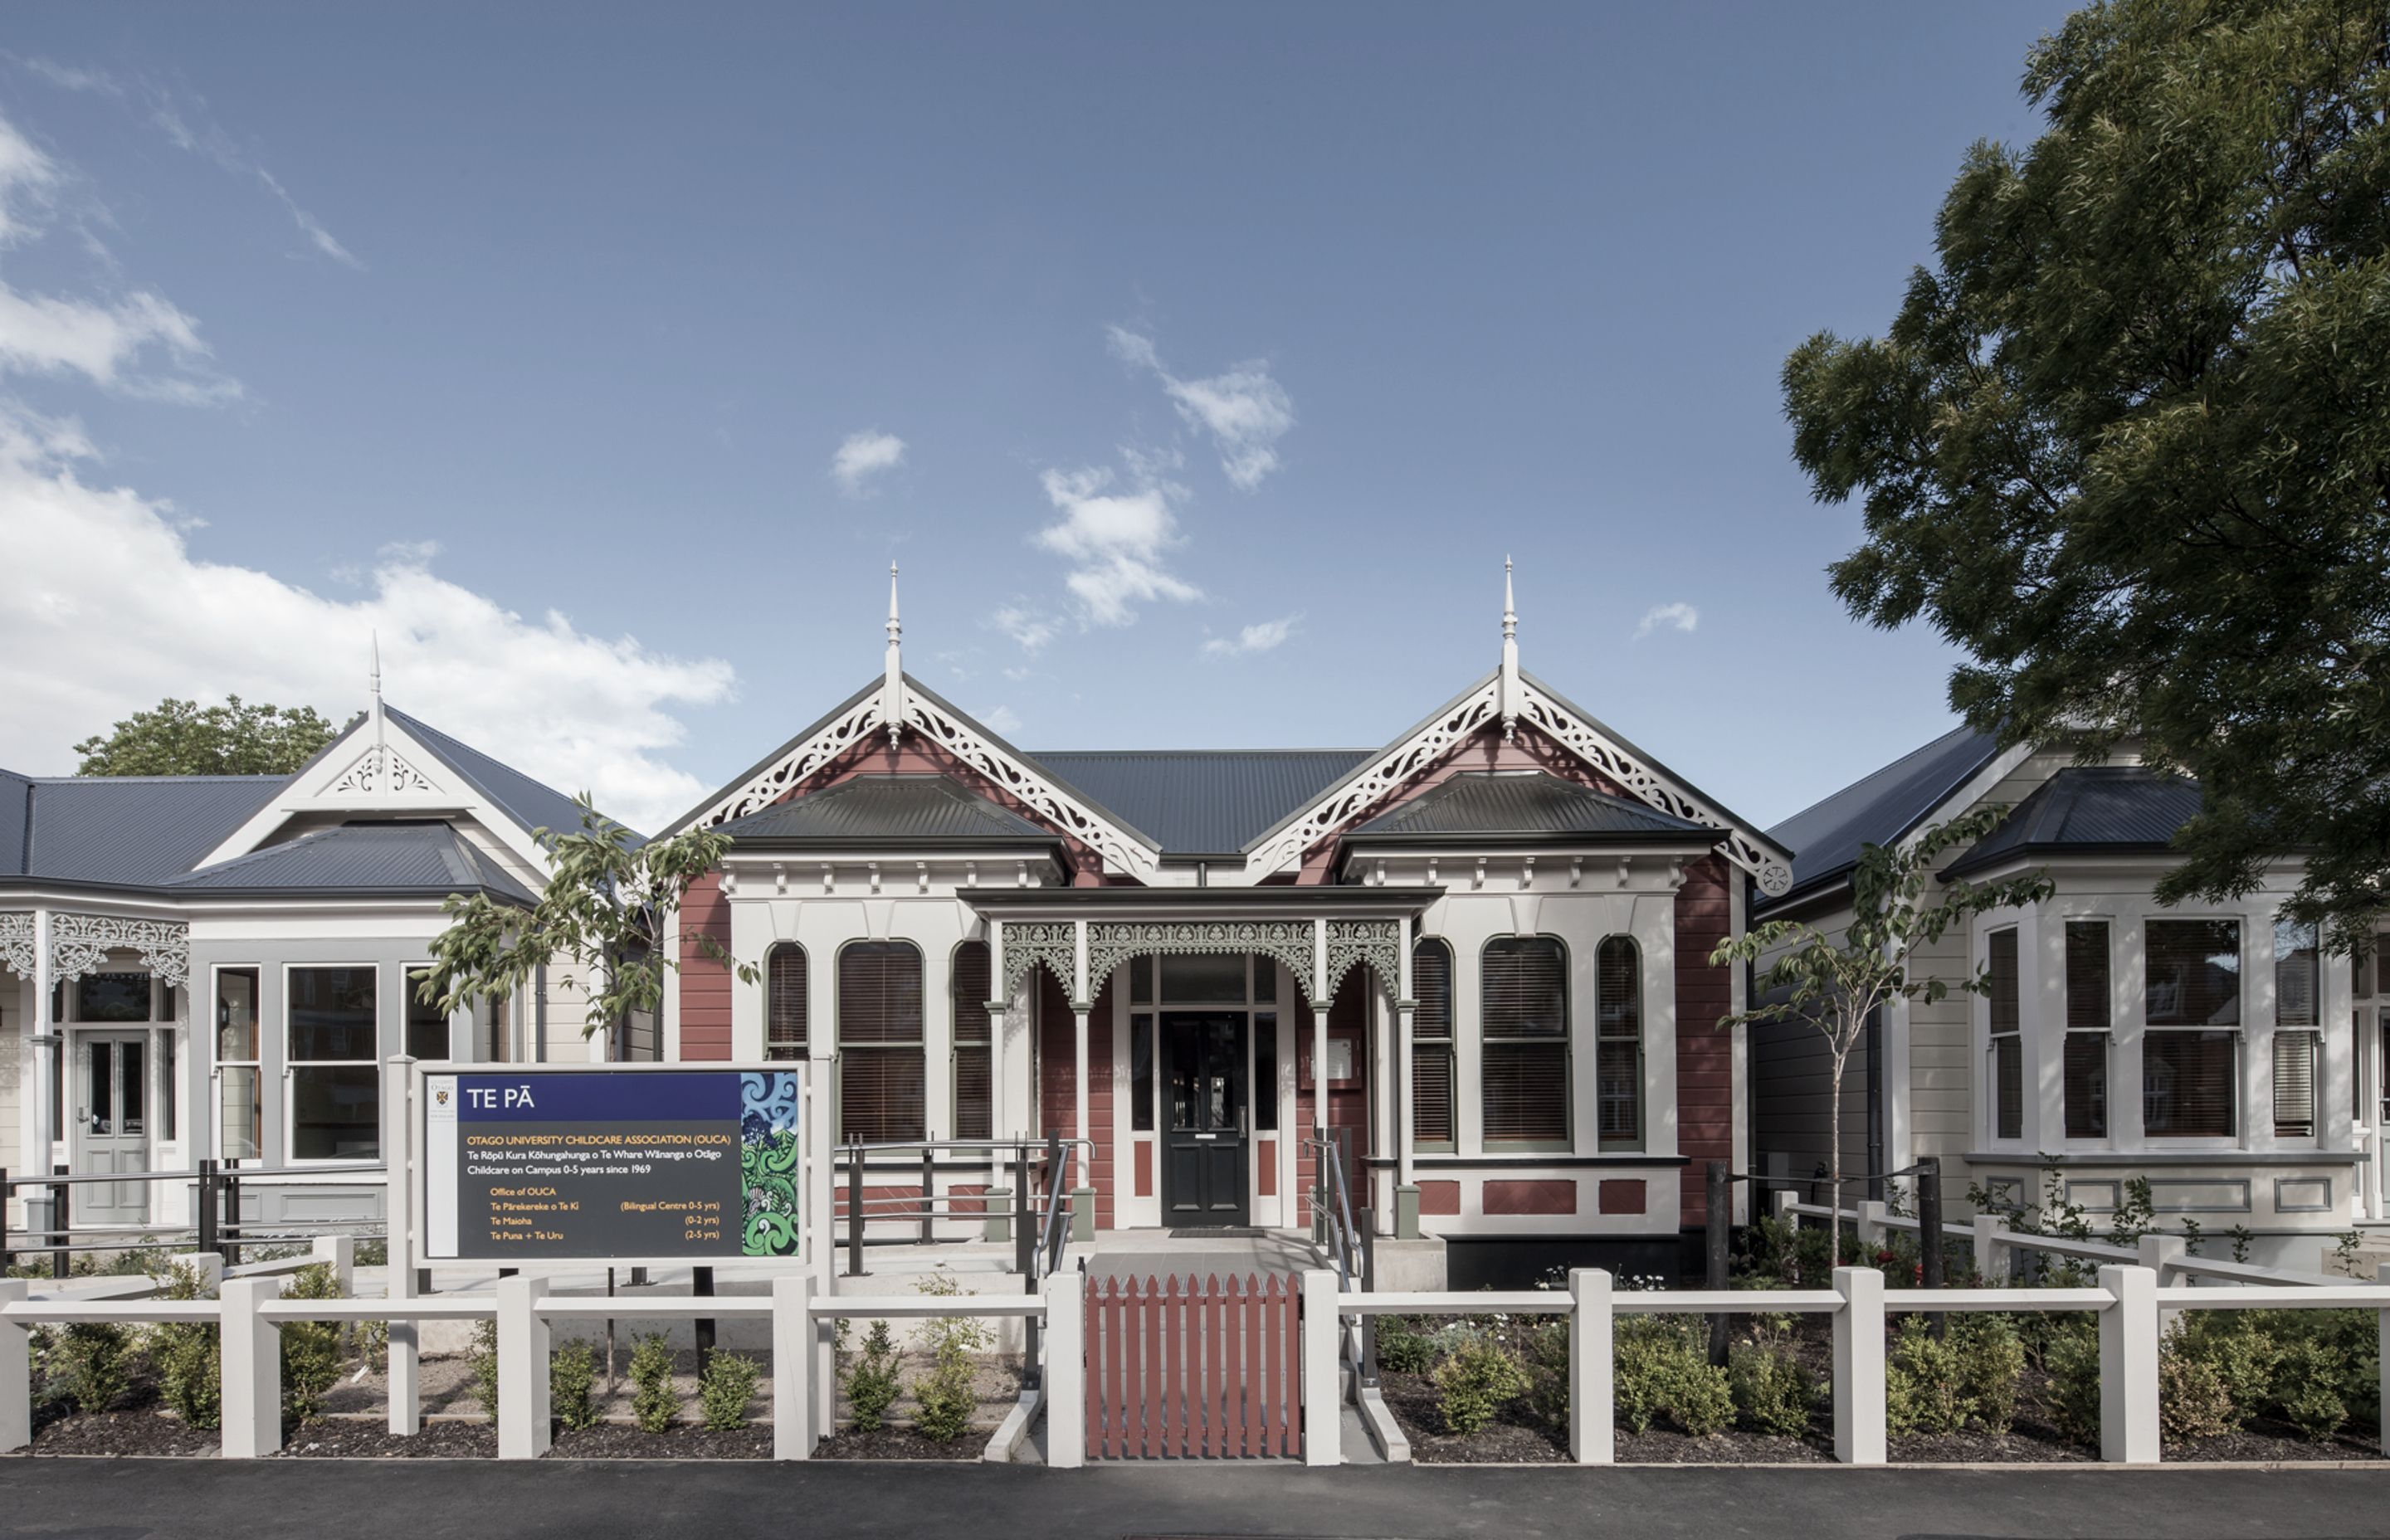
(1826, 839)
(408, 859)
(531, 803)
(887, 810)
(1203, 801)
(1482, 805)
(120, 830)
(2089, 810)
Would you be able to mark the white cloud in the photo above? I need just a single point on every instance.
(862, 455)
(1259, 638)
(1001, 720)
(26, 175)
(1678, 615)
(107, 609)
(1244, 410)
(40, 334)
(1116, 541)
(1029, 628)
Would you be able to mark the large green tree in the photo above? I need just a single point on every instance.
(182, 737)
(2127, 442)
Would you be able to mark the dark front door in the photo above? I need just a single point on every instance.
(1204, 1150)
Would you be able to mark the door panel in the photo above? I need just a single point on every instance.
(111, 1127)
(1203, 1174)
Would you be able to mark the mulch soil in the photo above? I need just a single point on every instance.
(150, 1431)
(899, 1444)
(2276, 1443)
(370, 1438)
(624, 1440)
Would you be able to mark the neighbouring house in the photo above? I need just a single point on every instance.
(208, 967)
(1475, 956)
(2214, 1049)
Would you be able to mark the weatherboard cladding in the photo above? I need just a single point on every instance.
(905, 808)
(1532, 803)
(1827, 838)
(1203, 801)
(363, 858)
(2087, 809)
(123, 831)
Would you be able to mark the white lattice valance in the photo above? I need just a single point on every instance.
(80, 944)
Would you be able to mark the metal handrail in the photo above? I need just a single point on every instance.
(73, 1179)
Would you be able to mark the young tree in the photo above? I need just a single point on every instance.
(1836, 983)
(180, 738)
(2129, 442)
(605, 906)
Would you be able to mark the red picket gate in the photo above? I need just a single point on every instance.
(1194, 1370)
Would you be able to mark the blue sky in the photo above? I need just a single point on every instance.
(1230, 348)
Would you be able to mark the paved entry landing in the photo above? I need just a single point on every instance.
(1143, 1254)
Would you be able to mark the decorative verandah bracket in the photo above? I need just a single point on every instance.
(1290, 942)
(1028, 942)
(80, 944)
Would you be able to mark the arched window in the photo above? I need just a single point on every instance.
(1431, 1045)
(785, 977)
(1618, 1050)
(1524, 1076)
(881, 1093)
(970, 991)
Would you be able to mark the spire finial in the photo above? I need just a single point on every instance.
(373, 677)
(1508, 690)
(1509, 605)
(895, 627)
(891, 697)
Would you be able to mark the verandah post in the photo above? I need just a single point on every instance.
(1593, 1356)
(2129, 1367)
(1858, 1367)
(1323, 1413)
(250, 1353)
(854, 1208)
(792, 1394)
(16, 1371)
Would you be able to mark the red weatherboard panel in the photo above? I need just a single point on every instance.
(704, 983)
(1704, 1049)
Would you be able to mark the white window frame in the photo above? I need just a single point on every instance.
(292, 1066)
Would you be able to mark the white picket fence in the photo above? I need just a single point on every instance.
(2129, 1300)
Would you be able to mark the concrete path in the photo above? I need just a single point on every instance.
(473, 1500)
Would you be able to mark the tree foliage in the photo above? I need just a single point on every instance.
(181, 738)
(608, 906)
(2127, 443)
(1835, 980)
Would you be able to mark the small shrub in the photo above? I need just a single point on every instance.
(1544, 1354)
(946, 1399)
(723, 1388)
(1991, 1367)
(1770, 1389)
(571, 1376)
(1663, 1369)
(311, 1349)
(484, 1361)
(1401, 1350)
(2307, 1389)
(92, 1363)
(2071, 1355)
(188, 1356)
(373, 1252)
(2193, 1402)
(372, 1345)
(2233, 1346)
(1924, 1389)
(873, 1380)
(1475, 1383)
(653, 1402)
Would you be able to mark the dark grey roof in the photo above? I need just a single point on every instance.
(377, 859)
(2084, 810)
(1206, 801)
(1534, 804)
(121, 830)
(884, 810)
(1876, 810)
(528, 802)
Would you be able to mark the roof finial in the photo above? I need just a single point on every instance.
(373, 679)
(891, 697)
(1507, 689)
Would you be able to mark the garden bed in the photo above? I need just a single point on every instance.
(371, 1438)
(899, 1444)
(150, 1431)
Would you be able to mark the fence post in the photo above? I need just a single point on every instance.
(2161, 1254)
(206, 1267)
(1869, 1226)
(853, 1209)
(251, 1351)
(1323, 1409)
(16, 1372)
(203, 1217)
(929, 1190)
(1716, 1217)
(339, 1254)
(2128, 1367)
(2382, 1336)
(523, 1370)
(1593, 1356)
(1858, 1367)
(1066, 1371)
(792, 1359)
(1931, 1256)
(700, 1285)
(61, 1226)
(1988, 1249)
(400, 1279)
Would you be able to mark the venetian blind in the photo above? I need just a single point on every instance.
(2294, 1084)
(2187, 1083)
(785, 1006)
(1523, 987)
(972, 986)
(1432, 1043)
(882, 1095)
(2087, 993)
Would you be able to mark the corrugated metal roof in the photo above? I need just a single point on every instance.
(528, 802)
(1510, 803)
(1826, 839)
(888, 808)
(1207, 801)
(398, 859)
(2087, 809)
(126, 831)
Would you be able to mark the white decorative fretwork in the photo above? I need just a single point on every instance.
(1376, 944)
(783, 775)
(80, 944)
(402, 777)
(1113, 941)
(1028, 942)
(363, 777)
(1378, 780)
(1121, 851)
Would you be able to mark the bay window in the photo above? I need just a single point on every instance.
(882, 1095)
(786, 980)
(2190, 1051)
(2007, 1034)
(240, 1110)
(1524, 1007)
(1618, 1049)
(427, 1024)
(2298, 1037)
(2084, 1071)
(332, 1019)
(972, 986)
